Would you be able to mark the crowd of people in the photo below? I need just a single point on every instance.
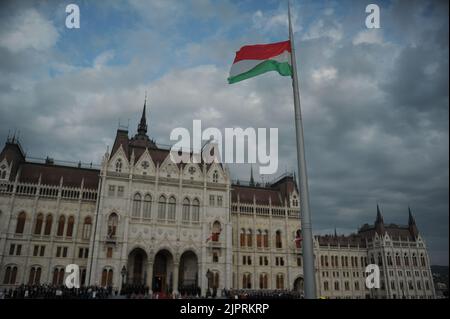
(138, 292)
(264, 294)
(56, 292)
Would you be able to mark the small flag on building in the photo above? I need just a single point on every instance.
(253, 60)
(298, 239)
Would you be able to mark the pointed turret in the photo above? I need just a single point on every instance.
(141, 139)
(252, 181)
(379, 222)
(412, 224)
(142, 127)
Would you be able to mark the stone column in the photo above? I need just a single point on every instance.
(175, 277)
(149, 280)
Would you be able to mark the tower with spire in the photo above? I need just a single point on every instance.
(379, 222)
(412, 224)
(141, 139)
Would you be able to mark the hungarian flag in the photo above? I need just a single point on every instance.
(298, 238)
(253, 60)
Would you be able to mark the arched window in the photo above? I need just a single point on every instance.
(119, 165)
(61, 223)
(35, 276)
(321, 261)
(266, 238)
(196, 210)
(21, 218)
(258, 238)
(147, 206)
(10, 275)
(336, 285)
(398, 259)
(380, 260)
(249, 238)
(280, 281)
(172, 208)
(422, 260)
(263, 281)
(31, 277)
(278, 241)
(58, 276)
(215, 280)
(186, 206)
(215, 176)
(113, 221)
(406, 259)
(242, 237)
(87, 225)
(162, 208)
(107, 277)
(83, 277)
(38, 225)
(70, 223)
(216, 229)
(104, 277)
(48, 225)
(247, 281)
(136, 212)
(3, 175)
(298, 238)
(414, 260)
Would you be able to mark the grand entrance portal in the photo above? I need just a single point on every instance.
(188, 274)
(163, 272)
(137, 260)
(298, 285)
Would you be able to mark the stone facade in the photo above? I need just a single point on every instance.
(142, 219)
(399, 251)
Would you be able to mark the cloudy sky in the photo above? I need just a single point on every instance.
(375, 101)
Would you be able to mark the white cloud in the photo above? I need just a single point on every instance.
(324, 74)
(369, 37)
(274, 22)
(29, 30)
(324, 29)
(103, 58)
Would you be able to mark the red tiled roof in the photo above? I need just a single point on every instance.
(51, 175)
(352, 240)
(261, 194)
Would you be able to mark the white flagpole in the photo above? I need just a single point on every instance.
(308, 253)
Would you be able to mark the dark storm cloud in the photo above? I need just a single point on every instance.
(375, 102)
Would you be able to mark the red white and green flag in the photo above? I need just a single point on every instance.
(253, 60)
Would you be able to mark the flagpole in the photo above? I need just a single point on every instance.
(305, 215)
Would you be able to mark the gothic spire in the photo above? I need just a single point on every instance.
(412, 224)
(142, 127)
(379, 222)
(411, 220)
(252, 181)
(379, 216)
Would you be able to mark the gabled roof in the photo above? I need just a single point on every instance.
(51, 175)
(278, 192)
(261, 194)
(352, 240)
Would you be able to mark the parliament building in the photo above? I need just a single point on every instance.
(141, 219)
